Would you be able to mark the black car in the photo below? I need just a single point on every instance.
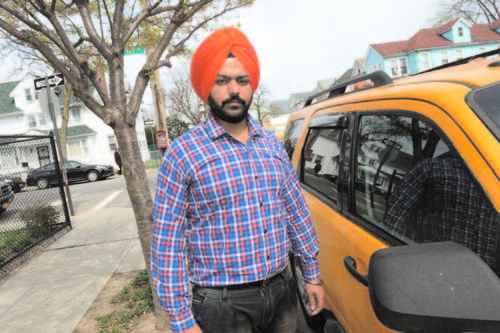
(15, 182)
(46, 175)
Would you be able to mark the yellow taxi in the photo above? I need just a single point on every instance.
(402, 179)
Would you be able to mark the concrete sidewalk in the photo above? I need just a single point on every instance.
(52, 292)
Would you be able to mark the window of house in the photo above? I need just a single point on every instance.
(321, 167)
(414, 190)
(444, 57)
(31, 121)
(394, 67)
(28, 94)
(425, 60)
(459, 54)
(42, 119)
(78, 148)
(399, 67)
(75, 114)
(460, 31)
(402, 66)
(291, 136)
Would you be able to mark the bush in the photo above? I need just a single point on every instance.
(40, 220)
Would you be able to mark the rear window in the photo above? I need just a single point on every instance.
(485, 102)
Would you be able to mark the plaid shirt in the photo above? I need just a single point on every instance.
(226, 213)
(438, 200)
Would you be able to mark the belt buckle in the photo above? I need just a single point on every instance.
(264, 283)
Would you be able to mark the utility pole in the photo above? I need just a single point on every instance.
(58, 144)
(159, 110)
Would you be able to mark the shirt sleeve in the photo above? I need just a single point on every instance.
(305, 244)
(406, 198)
(168, 247)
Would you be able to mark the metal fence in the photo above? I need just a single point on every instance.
(28, 214)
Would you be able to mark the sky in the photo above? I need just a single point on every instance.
(300, 42)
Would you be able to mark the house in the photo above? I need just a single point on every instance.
(89, 139)
(433, 47)
(297, 100)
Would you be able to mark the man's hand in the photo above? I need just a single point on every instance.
(194, 329)
(316, 295)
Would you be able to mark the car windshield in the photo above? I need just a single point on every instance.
(485, 101)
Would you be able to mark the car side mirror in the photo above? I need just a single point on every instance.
(78, 166)
(434, 287)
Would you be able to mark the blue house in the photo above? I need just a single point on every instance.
(433, 47)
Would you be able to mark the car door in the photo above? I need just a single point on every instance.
(71, 170)
(388, 144)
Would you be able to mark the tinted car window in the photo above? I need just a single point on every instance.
(485, 101)
(291, 135)
(410, 183)
(321, 161)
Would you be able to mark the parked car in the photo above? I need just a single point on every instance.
(16, 183)
(402, 247)
(6, 196)
(46, 175)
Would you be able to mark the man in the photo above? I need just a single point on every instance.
(229, 209)
(118, 160)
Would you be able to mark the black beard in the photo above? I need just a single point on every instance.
(219, 113)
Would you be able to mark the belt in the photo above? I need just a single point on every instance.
(249, 285)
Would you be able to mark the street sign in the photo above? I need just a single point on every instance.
(54, 81)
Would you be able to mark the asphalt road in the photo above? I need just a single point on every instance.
(86, 197)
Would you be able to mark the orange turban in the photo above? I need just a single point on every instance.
(212, 53)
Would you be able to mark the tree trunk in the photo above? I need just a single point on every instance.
(142, 203)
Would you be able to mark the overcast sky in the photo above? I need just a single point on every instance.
(300, 42)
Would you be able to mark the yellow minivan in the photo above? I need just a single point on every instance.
(403, 184)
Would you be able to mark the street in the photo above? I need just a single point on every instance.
(86, 197)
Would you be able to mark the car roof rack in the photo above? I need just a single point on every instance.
(462, 61)
(379, 78)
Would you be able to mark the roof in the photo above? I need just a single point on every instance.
(7, 104)
(76, 131)
(429, 38)
(344, 77)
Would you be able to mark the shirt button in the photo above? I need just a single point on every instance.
(268, 257)
(265, 231)
(261, 204)
(256, 177)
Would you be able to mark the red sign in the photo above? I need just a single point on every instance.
(161, 139)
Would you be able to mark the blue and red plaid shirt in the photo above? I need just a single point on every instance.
(226, 213)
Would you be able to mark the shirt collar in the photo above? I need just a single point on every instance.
(215, 130)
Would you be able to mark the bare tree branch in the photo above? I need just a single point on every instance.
(141, 17)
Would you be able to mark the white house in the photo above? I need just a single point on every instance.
(89, 139)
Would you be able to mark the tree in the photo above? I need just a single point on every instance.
(474, 11)
(260, 103)
(183, 102)
(86, 40)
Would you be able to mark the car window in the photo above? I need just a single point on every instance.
(410, 183)
(321, 161)
(50, 166)
(484, 101)
(70, 164)
(291, 135)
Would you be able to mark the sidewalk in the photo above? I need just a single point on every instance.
(52, 292)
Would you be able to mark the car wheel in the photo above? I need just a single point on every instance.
(92, 176)
(42, 183)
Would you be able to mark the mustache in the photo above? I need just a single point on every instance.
(233, 99)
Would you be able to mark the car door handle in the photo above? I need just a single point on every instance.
(352, 268)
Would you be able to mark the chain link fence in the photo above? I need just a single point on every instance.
(29, 214)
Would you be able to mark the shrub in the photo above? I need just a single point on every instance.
(40, 220)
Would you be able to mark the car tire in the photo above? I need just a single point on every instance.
(93, 176)
(42, 183)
